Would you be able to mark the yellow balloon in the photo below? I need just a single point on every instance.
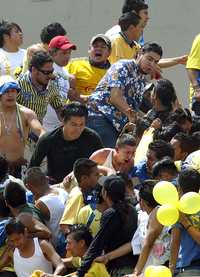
(157, 271)
(167, 214)
(149, 271)
(161, 271)
(189, 203)
(165, 193)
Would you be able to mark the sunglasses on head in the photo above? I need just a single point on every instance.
(46, 72)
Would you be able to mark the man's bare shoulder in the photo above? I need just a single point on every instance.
(100, 155)
(26, 112)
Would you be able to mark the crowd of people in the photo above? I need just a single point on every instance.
(83, 142)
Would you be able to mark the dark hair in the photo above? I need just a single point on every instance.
(152, 47)
(5, 29)
(185, 141)
(35, 176)
(14, 194)
(81, 232)
(115, 187)
(126, 178)
(3, 167)
(15, 226)
(195, 138)
(50, 31)
(128, 19)
(165, 92)
(195, 125)
(74, 109)
(146, 193)
(39, 59)
(166, 133)
(180, 116)
(4, 210)
(166, 165)
(189, 180)
(83, 167)
(134, 5)
(125, 139)
(161, 149)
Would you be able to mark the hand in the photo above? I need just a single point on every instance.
(183, 219)
(129, 127)
(182, 59)
(67, 181)
(156, 72)
(156, 124)
(132, 115)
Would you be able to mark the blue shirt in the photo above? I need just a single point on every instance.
(189, 249)
(140, 171)
(125, 75)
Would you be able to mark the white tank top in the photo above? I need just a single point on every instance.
(108, 161)
(24, 267)
(56, 206)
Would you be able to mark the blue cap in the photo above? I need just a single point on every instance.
(6, 83)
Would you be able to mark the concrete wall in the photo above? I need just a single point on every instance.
(173, 24)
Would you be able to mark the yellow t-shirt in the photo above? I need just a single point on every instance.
(193, 61)
(84, 215)
(122, 50)
(96, 270)
(74, 204)
(87, 76)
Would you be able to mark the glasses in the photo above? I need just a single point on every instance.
(46, 72)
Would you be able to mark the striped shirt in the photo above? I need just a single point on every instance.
(36, 100)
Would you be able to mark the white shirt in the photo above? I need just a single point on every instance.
(24, 267)
(9, 61)
(51, 121)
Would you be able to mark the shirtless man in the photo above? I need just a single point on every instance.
(119, 159)
(15, 123)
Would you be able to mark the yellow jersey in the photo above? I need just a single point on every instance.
(87, 76)
(122, 50)
(193, 61)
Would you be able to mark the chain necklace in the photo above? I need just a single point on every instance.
(8, 126)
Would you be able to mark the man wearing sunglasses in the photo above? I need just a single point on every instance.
(37, 86)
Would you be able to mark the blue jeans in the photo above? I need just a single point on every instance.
(105, 130)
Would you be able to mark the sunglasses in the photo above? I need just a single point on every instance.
(46, 72)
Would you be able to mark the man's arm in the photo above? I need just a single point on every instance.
(55, 99)
(35, 227)
(175, 245)
(117, 99)
(51, 255)
(33, 122)
(169, 62)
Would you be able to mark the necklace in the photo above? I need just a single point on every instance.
(8, 126)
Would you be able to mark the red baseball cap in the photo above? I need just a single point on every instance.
(61, 42)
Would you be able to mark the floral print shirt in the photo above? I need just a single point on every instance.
(125, 75)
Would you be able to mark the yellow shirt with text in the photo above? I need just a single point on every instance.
(87, 76)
